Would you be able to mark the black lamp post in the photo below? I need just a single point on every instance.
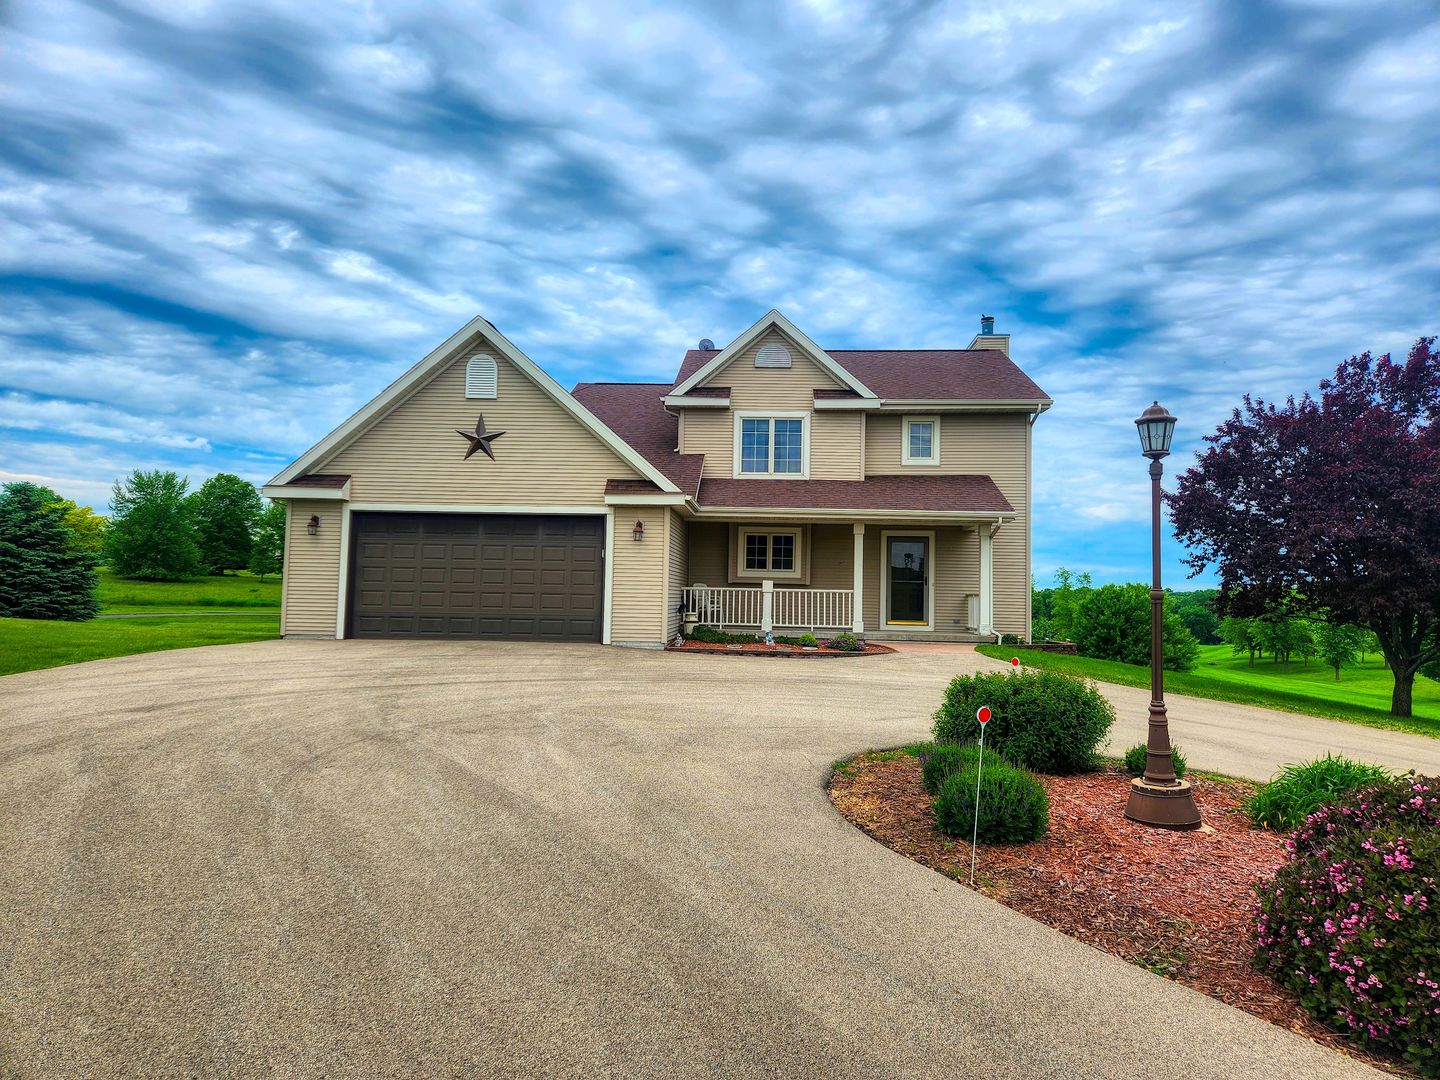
(1158, 798)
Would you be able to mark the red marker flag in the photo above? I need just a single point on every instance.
(982, 714)
(1014, 661)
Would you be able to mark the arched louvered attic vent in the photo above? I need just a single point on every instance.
(772, 355)
(480, 377)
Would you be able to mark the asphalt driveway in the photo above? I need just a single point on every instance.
(370, 858)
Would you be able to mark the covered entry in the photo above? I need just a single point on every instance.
(477, 576)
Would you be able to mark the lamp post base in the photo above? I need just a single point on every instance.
(1167, 806)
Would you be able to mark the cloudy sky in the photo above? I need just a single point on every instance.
(225, 225)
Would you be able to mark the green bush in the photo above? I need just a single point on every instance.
(808, 641)
(711, 636)
(1135, 761)
(845, 643)
(1113, 623)
(1013, 806)
(1011, 639)
(1040, 720)
(1350, 924)
(1297, 791)
(939, 759)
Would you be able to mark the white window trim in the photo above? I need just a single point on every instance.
(934, 458)
(797, 574)
(772, 414)
(885, 536)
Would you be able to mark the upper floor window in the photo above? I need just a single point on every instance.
(770, 445)
(481, 378)
(920, 441)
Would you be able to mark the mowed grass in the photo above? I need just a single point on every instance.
(28, 644)
(1362, 696)
(234, 592)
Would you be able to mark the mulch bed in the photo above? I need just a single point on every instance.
(759, 648)
(1181, 904)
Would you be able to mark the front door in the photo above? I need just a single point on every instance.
(907, 564)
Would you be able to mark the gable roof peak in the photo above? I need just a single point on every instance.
(773, 319)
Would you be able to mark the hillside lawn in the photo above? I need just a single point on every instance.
(235, 592)
(1362, 696)
(29, 644)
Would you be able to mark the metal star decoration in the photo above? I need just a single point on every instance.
(480, 439)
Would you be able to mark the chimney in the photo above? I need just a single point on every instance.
(988, 339)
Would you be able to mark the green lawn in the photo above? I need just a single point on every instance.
(27, 644)
(232, 592)
(1361, 696)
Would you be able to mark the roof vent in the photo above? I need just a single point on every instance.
(772, 355)
(987, 324)
(706, 345)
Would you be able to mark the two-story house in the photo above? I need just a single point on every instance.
(773, 482)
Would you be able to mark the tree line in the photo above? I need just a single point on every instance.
(51, 548)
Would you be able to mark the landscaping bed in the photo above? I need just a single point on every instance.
(1181, 904)
(759, 648)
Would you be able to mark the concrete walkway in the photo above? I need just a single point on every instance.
(307, 859)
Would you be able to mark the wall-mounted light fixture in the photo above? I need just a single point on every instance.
(639, 531)
(314, 526)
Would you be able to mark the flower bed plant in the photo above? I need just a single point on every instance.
(1351, 922)
(1040, 720)
(1013, 806)
(1135, 761)
(1297, 791)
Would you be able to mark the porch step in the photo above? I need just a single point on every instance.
(937, 635)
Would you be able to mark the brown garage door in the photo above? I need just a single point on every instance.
(477, 576)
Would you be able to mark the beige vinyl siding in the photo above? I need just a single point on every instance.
(956, 570)
(677, 556)
(832, 556)
(709, 543)
(637, 603)
(310, 586)
(835, 438)
(413, 455)
(984, 444)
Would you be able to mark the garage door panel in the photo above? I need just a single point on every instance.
(477, 575)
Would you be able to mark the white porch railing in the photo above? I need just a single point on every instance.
(768, 608)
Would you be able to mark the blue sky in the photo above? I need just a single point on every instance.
(223, 226)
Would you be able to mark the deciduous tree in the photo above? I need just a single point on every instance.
(267, 549)
(224, 510)
(1334, 501)
(1113, 623)
(151, 536)
(1338, 644)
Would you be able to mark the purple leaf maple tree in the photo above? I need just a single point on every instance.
(1330, 506)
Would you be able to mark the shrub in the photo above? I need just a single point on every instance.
(1113, 623)
(1408, 803)
(845, 643)
(1011, 639)
(939, 759)
(1040, 720)
(1013, 805)
(1135, 760)
(712, 636)
(808, 641)
(1350, 923)
(1297, 791)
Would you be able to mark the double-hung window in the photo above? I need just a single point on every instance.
(770, 446)
(920, 441)
(765, 554)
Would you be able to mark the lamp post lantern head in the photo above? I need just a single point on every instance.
(1157, 428)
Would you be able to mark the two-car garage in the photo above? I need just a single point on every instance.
(477, 576)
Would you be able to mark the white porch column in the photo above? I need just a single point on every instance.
(858, 601)
(767, 608)
(987, 578)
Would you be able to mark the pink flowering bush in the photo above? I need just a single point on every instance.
(1351, 922)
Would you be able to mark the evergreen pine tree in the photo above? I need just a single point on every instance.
(44, 572)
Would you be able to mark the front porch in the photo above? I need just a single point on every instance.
(927, 581)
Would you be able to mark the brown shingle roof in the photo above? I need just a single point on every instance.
(954, 494)
(635, 412)
(920, 374)
(320, 480)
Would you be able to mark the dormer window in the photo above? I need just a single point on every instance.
(920, 441)
(772, 355)
(481, 377)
